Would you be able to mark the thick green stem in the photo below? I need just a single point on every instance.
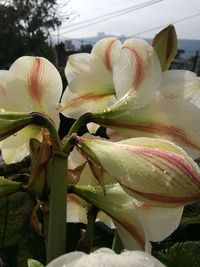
(85, 244)
(117, 243)
(81, 121)
(57, 208)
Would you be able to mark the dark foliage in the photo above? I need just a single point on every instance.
(24, 29)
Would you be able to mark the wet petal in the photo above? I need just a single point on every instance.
(107, 50)
(138, 70)
(120, 207)
(38, 84)
(152, 170)
(107, 258)
(90, 80)
(86, 93)
(173, 114)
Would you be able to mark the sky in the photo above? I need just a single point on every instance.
(128, 17)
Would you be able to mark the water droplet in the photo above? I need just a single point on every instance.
(15, 134)
(166, 172)
(2, 110)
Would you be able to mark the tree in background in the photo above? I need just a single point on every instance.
(24, 29)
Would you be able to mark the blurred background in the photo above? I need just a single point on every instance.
(56, 29)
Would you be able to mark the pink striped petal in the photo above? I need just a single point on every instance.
(152, 170)
(33, 84)
(138, 70)
(107, 50)
(172, 114)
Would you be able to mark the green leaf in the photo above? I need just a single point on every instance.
(8, 187)
(181, 254)
(34, 263)
(10, 123)
(165, 44)
(191, 215)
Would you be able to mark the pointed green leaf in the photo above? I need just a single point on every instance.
(165, 43)
(8, 187)
(34, 263)
(10, 123)
(185, 254)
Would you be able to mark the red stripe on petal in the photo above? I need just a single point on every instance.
(107, 55)
(3, 90)
(129, 227)
(171, 157)
(139, 68)
(177, 134)
(85, 98)
(162, 198)
(133, 231)
(34, 80)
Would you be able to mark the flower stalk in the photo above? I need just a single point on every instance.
(57, 207)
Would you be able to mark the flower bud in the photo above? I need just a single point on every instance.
(154, 171)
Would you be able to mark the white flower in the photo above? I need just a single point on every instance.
(105, 257)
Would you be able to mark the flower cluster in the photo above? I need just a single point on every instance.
(145, 172)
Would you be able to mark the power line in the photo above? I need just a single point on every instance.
(163, 25)
(104, 7)
(146, 31)
(108, 16)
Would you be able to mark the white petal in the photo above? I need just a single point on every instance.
(87, 93)
(92, 127)
(104, 257)
(103, 217)
(159, 223)
(75, 159)
(11, 155)
(66, 259)
(128, 240)
(138, 70)
(108, 51)
(16, 147)
(76, 209)
(33, 84)
(76, 64)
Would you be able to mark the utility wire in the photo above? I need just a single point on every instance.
(146, 31)
(163, 25)
(108, 16)
(104, 7)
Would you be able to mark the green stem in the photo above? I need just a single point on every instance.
(117, 243)
(68, 142)
(81, 121)
(85, 244)
(44, 121)
(57, 208)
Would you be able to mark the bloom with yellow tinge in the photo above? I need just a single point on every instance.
(32, 84)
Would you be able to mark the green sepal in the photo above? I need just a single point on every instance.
(34, 263)
(165, 44)
(8, 187)
(11, 123)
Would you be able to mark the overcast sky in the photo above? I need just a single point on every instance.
(140, 16)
